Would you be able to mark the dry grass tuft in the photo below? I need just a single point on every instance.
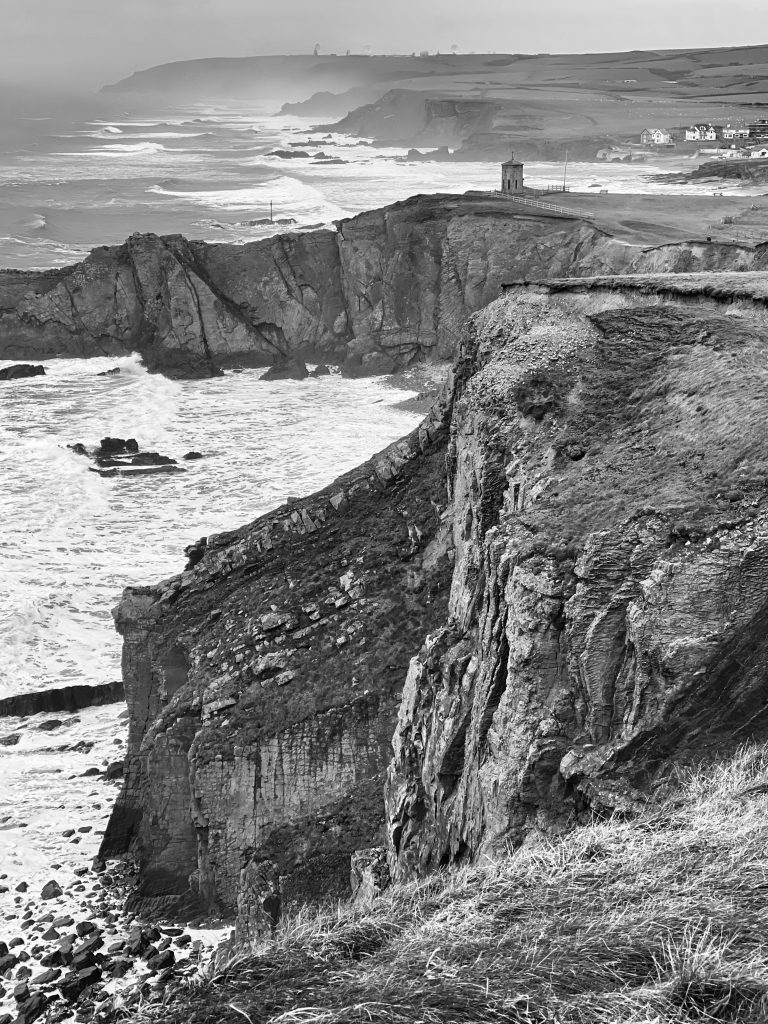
(662, 920)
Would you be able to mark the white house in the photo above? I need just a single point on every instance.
(655, 137)
(735, 132)
(759, 154)
(701, 133)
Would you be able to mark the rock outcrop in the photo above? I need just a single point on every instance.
(591, 489)
(64, 698)
(21, 370)
(610, 597)
(263, 686)
(383, 290)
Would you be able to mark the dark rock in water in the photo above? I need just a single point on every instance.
(287, 369)
(116, 456)
(51, 890)
(195, 552)
(117, 446)
(109, 373)
(90, 772)
(65, 698)
(11, 740)
(152, 459)
(21, 370)
(115, 770)
(86, 928)
(78, 448)
(50, 725)
(22, 887)
(320, 371)
(191, 456)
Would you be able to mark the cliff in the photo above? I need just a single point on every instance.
(565, 566)
(609, 600)
(263, 685)
(752, 172)
(384, 289)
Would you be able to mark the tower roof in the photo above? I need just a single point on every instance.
(512, 161)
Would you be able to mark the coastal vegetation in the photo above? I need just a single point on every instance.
(657, 919)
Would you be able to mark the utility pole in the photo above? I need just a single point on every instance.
(565, 169)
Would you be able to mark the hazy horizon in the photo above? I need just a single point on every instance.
(80, 45)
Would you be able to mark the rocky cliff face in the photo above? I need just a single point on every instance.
(578, 530)
(610, 595)
(383, 290)
(263, 686)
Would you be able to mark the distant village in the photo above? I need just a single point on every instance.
(736, 141)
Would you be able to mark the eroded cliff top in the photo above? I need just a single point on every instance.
(719, 285)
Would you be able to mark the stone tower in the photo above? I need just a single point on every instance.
(512, 176)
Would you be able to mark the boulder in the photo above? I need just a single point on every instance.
(287, 369)
(369, 874)
(192, 456)
(320, 371)
(31, 1008)
(152, 459)
(21, 370)
(76, 982)
(117, 446)
(258, 901)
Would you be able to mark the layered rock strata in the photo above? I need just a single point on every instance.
(591, 489)
(263, 686)
(384, 289)
(609, 603)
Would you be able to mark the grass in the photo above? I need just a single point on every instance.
(659, 920)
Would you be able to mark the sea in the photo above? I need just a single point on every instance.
(71, 540)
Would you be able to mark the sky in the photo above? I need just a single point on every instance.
(83, 44)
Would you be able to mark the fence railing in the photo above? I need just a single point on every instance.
(544, 206)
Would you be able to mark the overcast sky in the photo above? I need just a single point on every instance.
(85, 43)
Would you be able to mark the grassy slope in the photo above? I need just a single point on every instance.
(659, 919)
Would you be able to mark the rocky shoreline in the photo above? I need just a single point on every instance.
(258, 677)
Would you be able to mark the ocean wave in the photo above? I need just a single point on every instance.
(36, 223)
(133, 149)
(289, 197)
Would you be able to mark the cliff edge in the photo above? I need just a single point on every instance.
(565, 566)
(381, 291)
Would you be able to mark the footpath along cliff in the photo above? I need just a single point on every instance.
(384, 289)
(551, 591)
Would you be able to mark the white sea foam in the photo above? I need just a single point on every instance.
(290, 196)
(133, 148)
(72, 539)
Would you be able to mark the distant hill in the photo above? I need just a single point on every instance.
(288, 78)
(482, 103)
